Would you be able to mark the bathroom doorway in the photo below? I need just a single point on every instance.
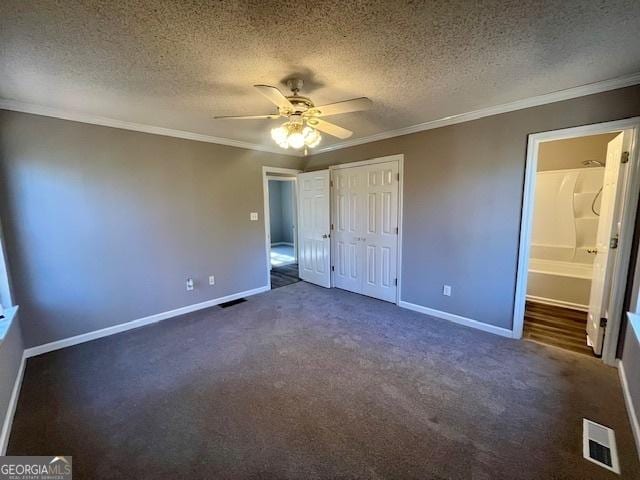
(577, 230)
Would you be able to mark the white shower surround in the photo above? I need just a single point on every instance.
(564, 229)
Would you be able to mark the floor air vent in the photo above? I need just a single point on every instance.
(232, 303)
(599, 445)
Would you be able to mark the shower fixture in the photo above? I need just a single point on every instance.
(593, 163)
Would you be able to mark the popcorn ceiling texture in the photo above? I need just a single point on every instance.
(175, 64)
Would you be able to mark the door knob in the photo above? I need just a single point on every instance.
(326, 235)
(592, 250)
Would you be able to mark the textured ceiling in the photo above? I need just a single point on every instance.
(176, 63)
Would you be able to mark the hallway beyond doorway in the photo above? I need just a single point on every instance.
(282, 255)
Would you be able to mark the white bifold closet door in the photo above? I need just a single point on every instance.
(366, 229)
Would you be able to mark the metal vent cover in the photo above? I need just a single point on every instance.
(232, 303)
(599, 445)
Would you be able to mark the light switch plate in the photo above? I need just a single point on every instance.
(212, 280)
(446, 290)
(189, 284)
(253, 216)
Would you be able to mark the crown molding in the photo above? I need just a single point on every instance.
(558, 96)
(136, 127)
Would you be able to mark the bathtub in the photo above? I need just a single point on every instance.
(560, 283)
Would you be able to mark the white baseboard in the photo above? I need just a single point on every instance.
(11, 408)
(558, 303)
(140, 322)
(468, 322)
(633, 418)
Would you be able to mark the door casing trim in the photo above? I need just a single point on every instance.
(265, 196)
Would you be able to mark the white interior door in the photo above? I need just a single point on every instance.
(348, 228)
(366, 229)
(381, 231)
(604, 262)
(313, 228)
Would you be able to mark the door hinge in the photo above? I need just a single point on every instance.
(603, 322)
(332, 226)
(397, 231)
(624, 158)
(396, 282)
(613, 243)
(331, 183)
(333, 269)
(398, 176)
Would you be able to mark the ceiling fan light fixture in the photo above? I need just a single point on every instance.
(296, 135)
(280, 134)
(296, 140)
(311, 137)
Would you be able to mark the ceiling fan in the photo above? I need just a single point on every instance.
(303, 118)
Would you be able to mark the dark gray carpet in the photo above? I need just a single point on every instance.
(305, 383)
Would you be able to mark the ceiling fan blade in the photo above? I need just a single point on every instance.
(276, 97)
(246, 117)
(330, 128)
(353, 105)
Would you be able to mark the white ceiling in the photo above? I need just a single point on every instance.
(176, 64)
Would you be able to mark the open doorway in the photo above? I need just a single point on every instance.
(281, 226)
(577, 228)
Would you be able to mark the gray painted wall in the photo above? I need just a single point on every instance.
(103, 226)
(287, 211)
(11, 349)
(275, 211)
(281, 211)
(463, 196)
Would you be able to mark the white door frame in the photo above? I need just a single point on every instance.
(390, 158)
(265, 196)
(631, 191)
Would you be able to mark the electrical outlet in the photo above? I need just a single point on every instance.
(212, 280)
(446, 290)
(253, 216)
(189, 284)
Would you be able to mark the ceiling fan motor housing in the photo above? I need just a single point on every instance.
(300, 104)
(295, 85)
(296, 119)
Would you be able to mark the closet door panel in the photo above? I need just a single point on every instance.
(381, 236)
(348, 187)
